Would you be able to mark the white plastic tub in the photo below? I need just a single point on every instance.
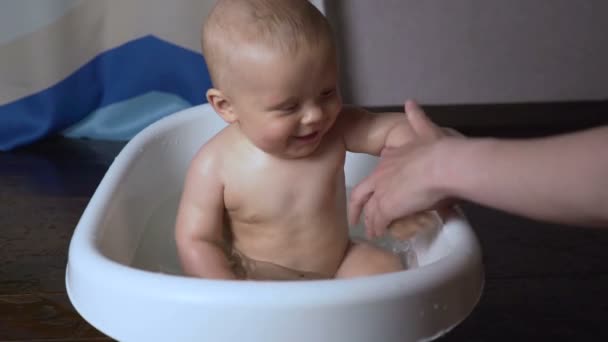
(113, 282)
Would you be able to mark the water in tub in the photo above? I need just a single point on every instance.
(157, 250)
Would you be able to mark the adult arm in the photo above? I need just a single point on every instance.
(560, 179)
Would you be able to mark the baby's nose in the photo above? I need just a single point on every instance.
(312, 115)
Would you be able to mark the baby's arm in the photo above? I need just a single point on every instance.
(199, 225)
(370, 133)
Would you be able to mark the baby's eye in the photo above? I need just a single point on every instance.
(328, 92)
(289, 108)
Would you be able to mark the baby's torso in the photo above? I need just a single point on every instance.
(289, 212)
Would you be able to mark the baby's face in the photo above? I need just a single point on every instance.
(286, 103)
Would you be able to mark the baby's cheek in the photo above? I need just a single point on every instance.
(335, 107)
(274, 139)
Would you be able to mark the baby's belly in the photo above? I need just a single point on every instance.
(315, 248)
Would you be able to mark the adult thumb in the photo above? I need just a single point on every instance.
(420, 123)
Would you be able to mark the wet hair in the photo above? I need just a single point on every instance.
(286, 25)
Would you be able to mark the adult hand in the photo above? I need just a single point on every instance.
(405, 180)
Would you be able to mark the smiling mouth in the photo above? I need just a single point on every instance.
(308, 137)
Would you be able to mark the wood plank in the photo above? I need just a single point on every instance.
(44, 189)
(43, 317)
(535, 309)
(34, 242)
(516, 247)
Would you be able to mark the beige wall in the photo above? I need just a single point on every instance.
(472, 51)
(437, 51)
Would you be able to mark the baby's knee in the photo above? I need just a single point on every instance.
(383, 261)
(366, 259)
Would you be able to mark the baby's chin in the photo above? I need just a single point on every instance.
(306, 148)
(296, 147)
(297, 151)
(297, 154)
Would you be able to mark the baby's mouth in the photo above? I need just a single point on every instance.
(308, 137)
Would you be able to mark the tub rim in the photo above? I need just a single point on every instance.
(84, 254)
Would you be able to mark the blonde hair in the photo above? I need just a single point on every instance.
(286, 25)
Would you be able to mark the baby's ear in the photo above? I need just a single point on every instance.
(221, 105)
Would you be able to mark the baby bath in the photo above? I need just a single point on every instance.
(123, 277)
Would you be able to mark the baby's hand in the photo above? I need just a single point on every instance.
(404, 228)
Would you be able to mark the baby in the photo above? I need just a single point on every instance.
(265, 198)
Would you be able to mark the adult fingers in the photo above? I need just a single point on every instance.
(359, 197)
(422, 125)
(377, 218)
(450, 132)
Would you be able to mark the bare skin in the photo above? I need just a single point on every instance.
(289, 212)
(559, 179)
(270, 188)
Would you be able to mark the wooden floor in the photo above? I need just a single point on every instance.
(542, 281)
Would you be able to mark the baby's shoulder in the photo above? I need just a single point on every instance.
(348, 115)
(212, 154)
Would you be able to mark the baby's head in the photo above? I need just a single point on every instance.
(274, 71)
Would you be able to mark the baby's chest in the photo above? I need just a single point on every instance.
(287, 189)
